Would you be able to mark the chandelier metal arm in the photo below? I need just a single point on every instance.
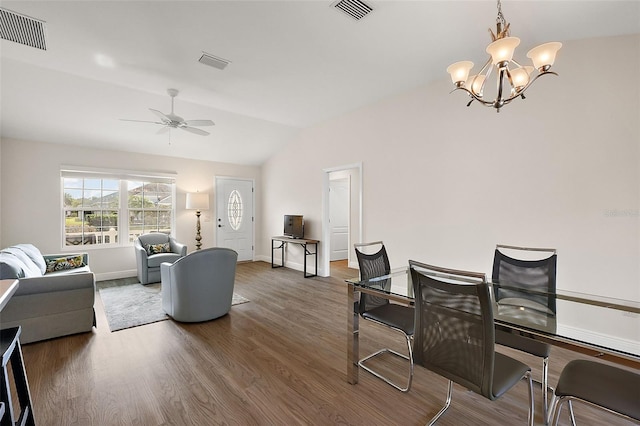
(501, 102)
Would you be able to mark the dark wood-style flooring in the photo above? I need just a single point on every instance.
(278, 360)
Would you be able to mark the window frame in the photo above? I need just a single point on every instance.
(124, 177)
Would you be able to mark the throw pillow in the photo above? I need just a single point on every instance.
(158, 248)
(62, 263)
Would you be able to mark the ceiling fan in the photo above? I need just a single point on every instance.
(172, 121)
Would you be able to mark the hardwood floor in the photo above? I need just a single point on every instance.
(278, 360)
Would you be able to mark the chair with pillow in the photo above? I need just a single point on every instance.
(153, 249)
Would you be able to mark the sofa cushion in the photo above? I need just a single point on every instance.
(30, 269)
(155, 260)
(158, 248)
(64, 263)
(34, 254)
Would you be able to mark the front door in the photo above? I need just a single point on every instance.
(234, 215)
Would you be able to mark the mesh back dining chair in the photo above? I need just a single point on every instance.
(374, 262)
(454, 334)
(539, 276)
(599, 385)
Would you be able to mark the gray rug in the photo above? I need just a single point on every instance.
(127, 303)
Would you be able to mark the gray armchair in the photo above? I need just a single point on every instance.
(148, 265)
(199, 287)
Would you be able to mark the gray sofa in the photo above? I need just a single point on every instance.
(55, 296)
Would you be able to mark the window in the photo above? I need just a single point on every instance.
(111, 209)
(150, 207)
(234, 209)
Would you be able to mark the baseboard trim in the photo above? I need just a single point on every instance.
(116, 275)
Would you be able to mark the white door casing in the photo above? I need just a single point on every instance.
(235, 215)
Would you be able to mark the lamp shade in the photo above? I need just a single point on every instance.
(520, 76)
(502, 49)
(460, 71)
(544, 55)
(197, 201)
(475, 83)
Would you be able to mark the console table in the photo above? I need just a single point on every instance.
(283, 241)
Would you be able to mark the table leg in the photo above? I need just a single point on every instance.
(353, 349)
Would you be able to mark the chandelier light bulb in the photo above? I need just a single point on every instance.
(475, 84)
(459, 72)
(501, 50)
(520, 76)
(544, 56)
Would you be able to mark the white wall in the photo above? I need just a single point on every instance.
(444, 183)
(30, 197)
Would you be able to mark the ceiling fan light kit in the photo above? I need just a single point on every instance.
(507, 70)
(173, 121)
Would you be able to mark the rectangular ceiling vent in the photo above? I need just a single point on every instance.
(22, 29)
(213, 61)
(355, 8)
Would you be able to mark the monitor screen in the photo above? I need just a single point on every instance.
(294, 226)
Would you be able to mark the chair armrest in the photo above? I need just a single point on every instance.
(177, 247)
(54, 283)
(141, 256)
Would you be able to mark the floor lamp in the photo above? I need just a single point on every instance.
(197, 201)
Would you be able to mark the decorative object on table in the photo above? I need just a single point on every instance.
(151, 250)
(454, 334)
(197, 201)
(173, 121)
(374, 262)
(510, 74)
(127, 303)
(199, 286)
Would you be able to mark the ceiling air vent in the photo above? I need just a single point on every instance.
(354, 8)
(213, 61)
(22, 29)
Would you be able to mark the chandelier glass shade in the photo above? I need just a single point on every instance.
(512, 78)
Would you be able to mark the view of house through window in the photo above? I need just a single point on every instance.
(114, 210)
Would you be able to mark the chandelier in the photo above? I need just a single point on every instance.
(507, 70)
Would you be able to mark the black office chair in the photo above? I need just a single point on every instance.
(600, 385)
(379, 310)
(538, 276)
(454, 335)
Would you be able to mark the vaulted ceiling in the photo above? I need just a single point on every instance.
(293, 64)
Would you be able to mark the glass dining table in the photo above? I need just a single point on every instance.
(604, 327)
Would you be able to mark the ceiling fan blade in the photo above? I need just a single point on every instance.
(195, 131)
(142, 121)
(160, 115)
(162, 130)
(199, 123)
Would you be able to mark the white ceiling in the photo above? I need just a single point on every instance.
(293, 64)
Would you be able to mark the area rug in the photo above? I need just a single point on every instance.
(127, 303)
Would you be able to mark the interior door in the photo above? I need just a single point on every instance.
(339, 218)
(235, 216)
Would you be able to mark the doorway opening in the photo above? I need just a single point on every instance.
(341, 218)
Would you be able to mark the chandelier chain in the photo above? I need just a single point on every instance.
(500, 18)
